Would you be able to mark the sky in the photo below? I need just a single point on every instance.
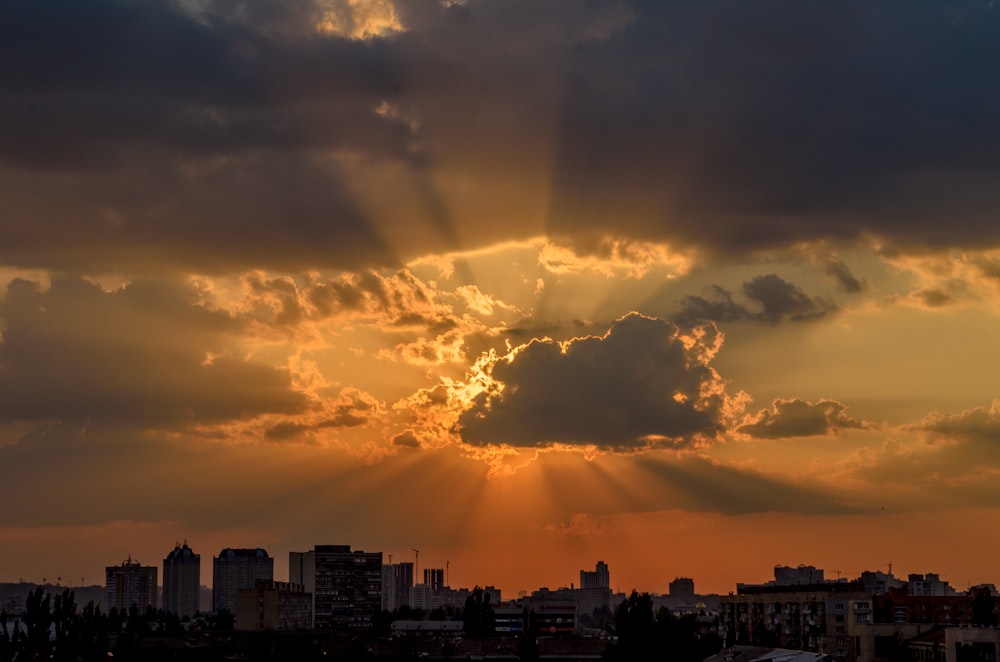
(693, 287)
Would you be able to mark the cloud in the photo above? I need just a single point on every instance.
(642, 384)
(351, 408)
(146, 354)
(800, 418)
(945, 460)
(406, 439)
(774, 300)
(846, 280)
(271, 138)
(741, 127)
(782, 300)
(979, 425)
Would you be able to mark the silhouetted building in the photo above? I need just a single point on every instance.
(804, 574)
(273, 606)
(181, 581)
(434, 577)
(403, 573)
(235, 569)
(302, 570)
(598, 578)
(879, 583)
(554, 617)
(130, 585)
(389, 587)
(929, 584)
(422, 597)
(682, 588)
(348, 587)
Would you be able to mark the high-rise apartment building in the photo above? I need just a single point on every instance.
(598, 578)
(403, 573)
(389, 587)
(434, 578)
(235, 569)
(181, 581)
(348, 587)
(129, 585)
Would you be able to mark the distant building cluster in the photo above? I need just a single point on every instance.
(800, 616)
(874, 618)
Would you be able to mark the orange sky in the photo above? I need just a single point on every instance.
(694, 290)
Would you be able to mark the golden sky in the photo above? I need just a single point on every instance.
(694, 288)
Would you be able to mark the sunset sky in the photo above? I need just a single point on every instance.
(694, 287)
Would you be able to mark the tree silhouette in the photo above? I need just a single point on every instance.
(478, 618)
(636, 629)
(527, 648)
(36, 619)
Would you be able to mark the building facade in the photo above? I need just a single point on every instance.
(130, 585)
(348, 588)
(273, 606)
(181, 581)
(819, 618)
(235, 569)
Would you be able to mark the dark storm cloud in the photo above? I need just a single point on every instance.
(155, 138)
(800, 418)
(637, 386)
(738, 125)
(773, 300)
(144, 355)
(139, 134)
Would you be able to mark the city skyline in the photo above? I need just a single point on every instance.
(580, 578)
(695, 288)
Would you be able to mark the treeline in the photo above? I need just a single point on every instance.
(54, 628)
(643, 634)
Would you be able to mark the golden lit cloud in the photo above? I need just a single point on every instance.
(358, 19)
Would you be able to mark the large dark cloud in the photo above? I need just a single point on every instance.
(145, 355)
(640, 385)
(737, 125)
(142, 134)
